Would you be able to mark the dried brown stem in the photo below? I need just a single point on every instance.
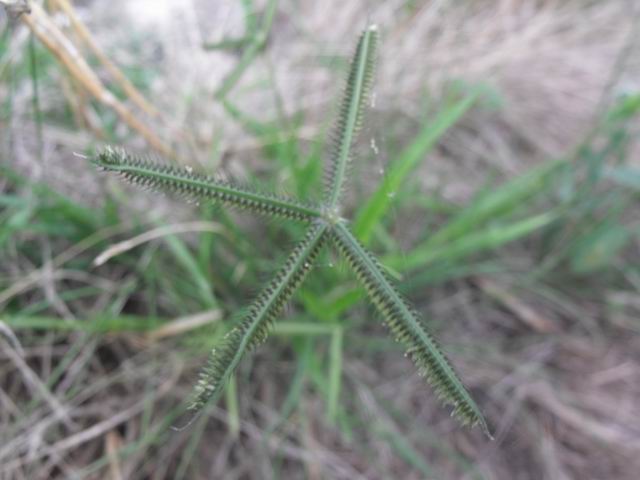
(83, 33)
(64, 50)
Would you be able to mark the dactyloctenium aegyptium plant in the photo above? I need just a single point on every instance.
(325, 226)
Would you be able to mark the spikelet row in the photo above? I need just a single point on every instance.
(407, 327)
(254, 328)
(197, 187)
(354, 100)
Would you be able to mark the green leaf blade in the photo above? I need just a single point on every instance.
(377, 206)
(254, 329)
(194, 186)
(499, 203)
(474, 242)
(356, 95)
(407, 327)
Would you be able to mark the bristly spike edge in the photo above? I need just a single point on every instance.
(194, 186)
(407, 327)
(354, 101)
(254, 328)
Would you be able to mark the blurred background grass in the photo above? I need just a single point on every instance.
(498, 177)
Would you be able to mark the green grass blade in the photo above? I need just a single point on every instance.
(352, 108)
(376, 207)
(408, 328)
(199, 187)
(335, 373)
(624, 175)
(253, 330)
(103, 323)
(233, 409)
(474, 242)
(227, 44)
(37, 111)
(73, 212)
(405, 450)
(304, 351)
(306, 329)
(499, 202)
(257, 43)
(185, 258)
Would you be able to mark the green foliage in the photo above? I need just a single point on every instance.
(564, 237)
(599, 247)
(375, 208)
(327, 223)
(627, 176)
(254, 43)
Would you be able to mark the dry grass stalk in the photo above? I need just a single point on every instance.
(83, 33)
(126, 245)
(64, 50)
(183, 324)
(113, 442)
(529, 316)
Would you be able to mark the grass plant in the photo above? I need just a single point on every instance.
(326, 225)
(529, 274)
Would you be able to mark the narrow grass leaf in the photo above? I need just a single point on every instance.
(303, 350)
(185, 258)
(598, 248)
(257, 42)
(406, 451)
(624, 175)
(98, 324)
(500, 202)
(474, 242)
(335, 373)
(372, 212)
